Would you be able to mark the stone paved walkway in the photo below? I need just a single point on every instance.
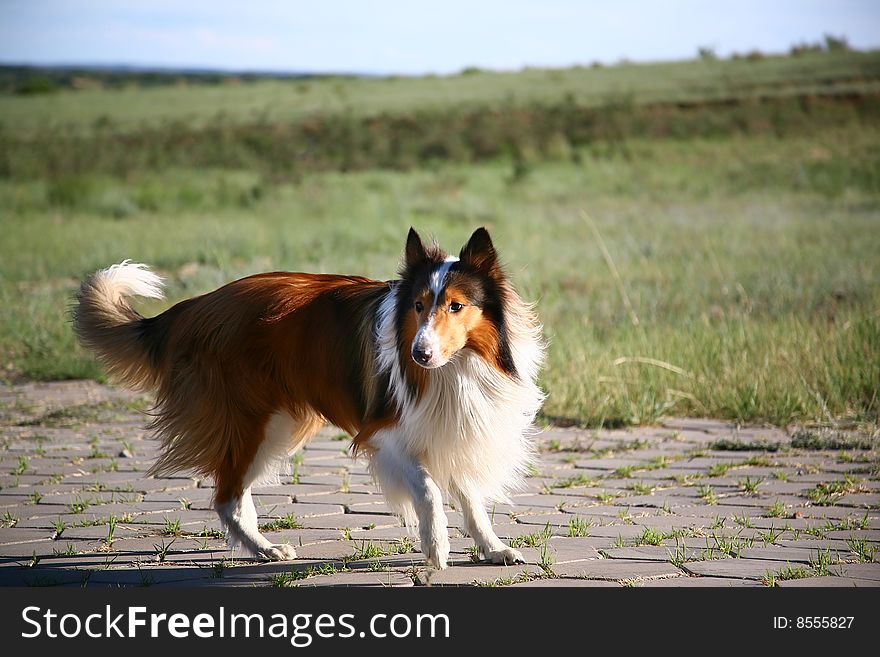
(689, 503)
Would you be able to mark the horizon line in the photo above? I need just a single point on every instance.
(280, 72)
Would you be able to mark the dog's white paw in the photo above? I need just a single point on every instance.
(278, 552)
(436, 550)
(505, 556)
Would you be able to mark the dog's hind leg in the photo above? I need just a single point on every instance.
(239, 517)
(234, 503)
(479, 527)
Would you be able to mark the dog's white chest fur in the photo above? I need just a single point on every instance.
(472, 424)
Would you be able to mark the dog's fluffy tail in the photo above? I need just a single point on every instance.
(106, 323)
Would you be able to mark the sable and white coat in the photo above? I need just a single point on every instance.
(433, 374)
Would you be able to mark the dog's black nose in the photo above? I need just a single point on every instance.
(421, 356)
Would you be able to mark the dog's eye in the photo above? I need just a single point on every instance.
(419, 306)
(455, 306)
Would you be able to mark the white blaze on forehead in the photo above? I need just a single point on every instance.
(438, 276)
(426, 338)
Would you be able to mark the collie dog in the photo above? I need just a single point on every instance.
(433, 375)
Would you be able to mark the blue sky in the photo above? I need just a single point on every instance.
(412, 37)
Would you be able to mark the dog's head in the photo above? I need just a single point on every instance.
(447, 304)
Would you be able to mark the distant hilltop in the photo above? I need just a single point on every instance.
(23, 78)
(28, 79)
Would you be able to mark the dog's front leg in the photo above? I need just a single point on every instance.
(479, 526)
(407, 482)
(433, 532)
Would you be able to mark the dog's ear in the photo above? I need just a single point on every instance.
(415, 250)
(479, 252)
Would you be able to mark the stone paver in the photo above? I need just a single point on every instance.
(664, 506)
(760, 569)
(839, 582)
(554, 583)
(380, 579)
(699, 582)
(616, 569)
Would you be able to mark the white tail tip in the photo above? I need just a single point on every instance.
(133, 279)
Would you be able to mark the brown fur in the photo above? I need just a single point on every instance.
(456, 329)
(224, 362)
(416, 376)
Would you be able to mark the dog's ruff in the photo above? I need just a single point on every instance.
(433, 374)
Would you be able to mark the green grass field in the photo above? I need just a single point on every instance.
(278, 100)
(732, 276)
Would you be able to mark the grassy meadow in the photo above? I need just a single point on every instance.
(714, 259)
(132, 108)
